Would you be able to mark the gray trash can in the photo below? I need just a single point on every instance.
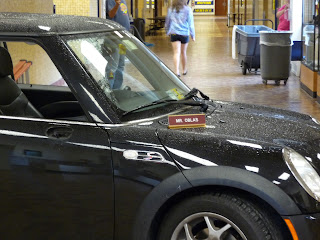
(275, 55)
(139, 29)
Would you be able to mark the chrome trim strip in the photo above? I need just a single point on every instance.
(143, 155)
(146, 156)
(104, 125)
(47, 120)
(21, 134)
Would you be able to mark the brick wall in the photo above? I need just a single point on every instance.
(32, 6)
(77, 7)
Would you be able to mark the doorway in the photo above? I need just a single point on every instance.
(221, 7)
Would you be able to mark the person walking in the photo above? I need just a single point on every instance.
(179, 26)
(283, 15)
(117, 11)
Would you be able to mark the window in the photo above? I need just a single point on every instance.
(126, 72)
(45, 90)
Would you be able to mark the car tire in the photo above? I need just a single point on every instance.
(230, 216)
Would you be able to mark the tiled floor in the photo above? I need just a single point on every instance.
(212, 70)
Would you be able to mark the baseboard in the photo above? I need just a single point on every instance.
(308, 91)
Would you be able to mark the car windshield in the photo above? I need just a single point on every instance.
(126, 71)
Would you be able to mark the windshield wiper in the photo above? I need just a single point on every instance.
(194, 92)
(204, 106)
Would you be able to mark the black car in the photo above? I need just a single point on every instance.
(81, 159)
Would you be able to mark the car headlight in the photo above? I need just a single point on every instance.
(316, 121)
(303, 172)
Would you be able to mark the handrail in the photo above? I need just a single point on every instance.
(21, 69)
(255, 20)
(17, 68)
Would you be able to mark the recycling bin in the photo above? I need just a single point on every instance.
(247, 39)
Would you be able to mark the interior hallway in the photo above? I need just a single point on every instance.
(212, 70)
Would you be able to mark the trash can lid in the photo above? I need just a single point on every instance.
(276, 32)
(276, 38)
(251, 30)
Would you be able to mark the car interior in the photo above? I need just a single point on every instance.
(35, 100)
(12, 100)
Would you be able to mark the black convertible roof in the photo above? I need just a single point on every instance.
(46, 24)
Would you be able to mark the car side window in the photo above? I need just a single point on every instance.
(33, 87)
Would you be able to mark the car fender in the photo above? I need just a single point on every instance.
(153, 202)
(247, 181)
(210, 176)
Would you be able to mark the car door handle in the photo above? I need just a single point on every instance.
(59, 132)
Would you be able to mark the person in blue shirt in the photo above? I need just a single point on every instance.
(117, 11)
(179, 25)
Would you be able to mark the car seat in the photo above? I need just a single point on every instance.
(13, 102)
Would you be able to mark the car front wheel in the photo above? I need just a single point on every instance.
(220, 216)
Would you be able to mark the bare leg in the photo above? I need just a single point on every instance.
(176, 55)
(184, 57)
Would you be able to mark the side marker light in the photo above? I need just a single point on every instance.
(292, 230)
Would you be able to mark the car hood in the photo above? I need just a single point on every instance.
(261, 123)
(264, 126)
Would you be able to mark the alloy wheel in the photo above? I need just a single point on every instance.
(207, 226)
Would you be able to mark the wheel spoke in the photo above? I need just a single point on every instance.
(188, 231)
(225, 228)
(210, 225)
(213, 233)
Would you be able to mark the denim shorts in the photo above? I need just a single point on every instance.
(182, 39)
